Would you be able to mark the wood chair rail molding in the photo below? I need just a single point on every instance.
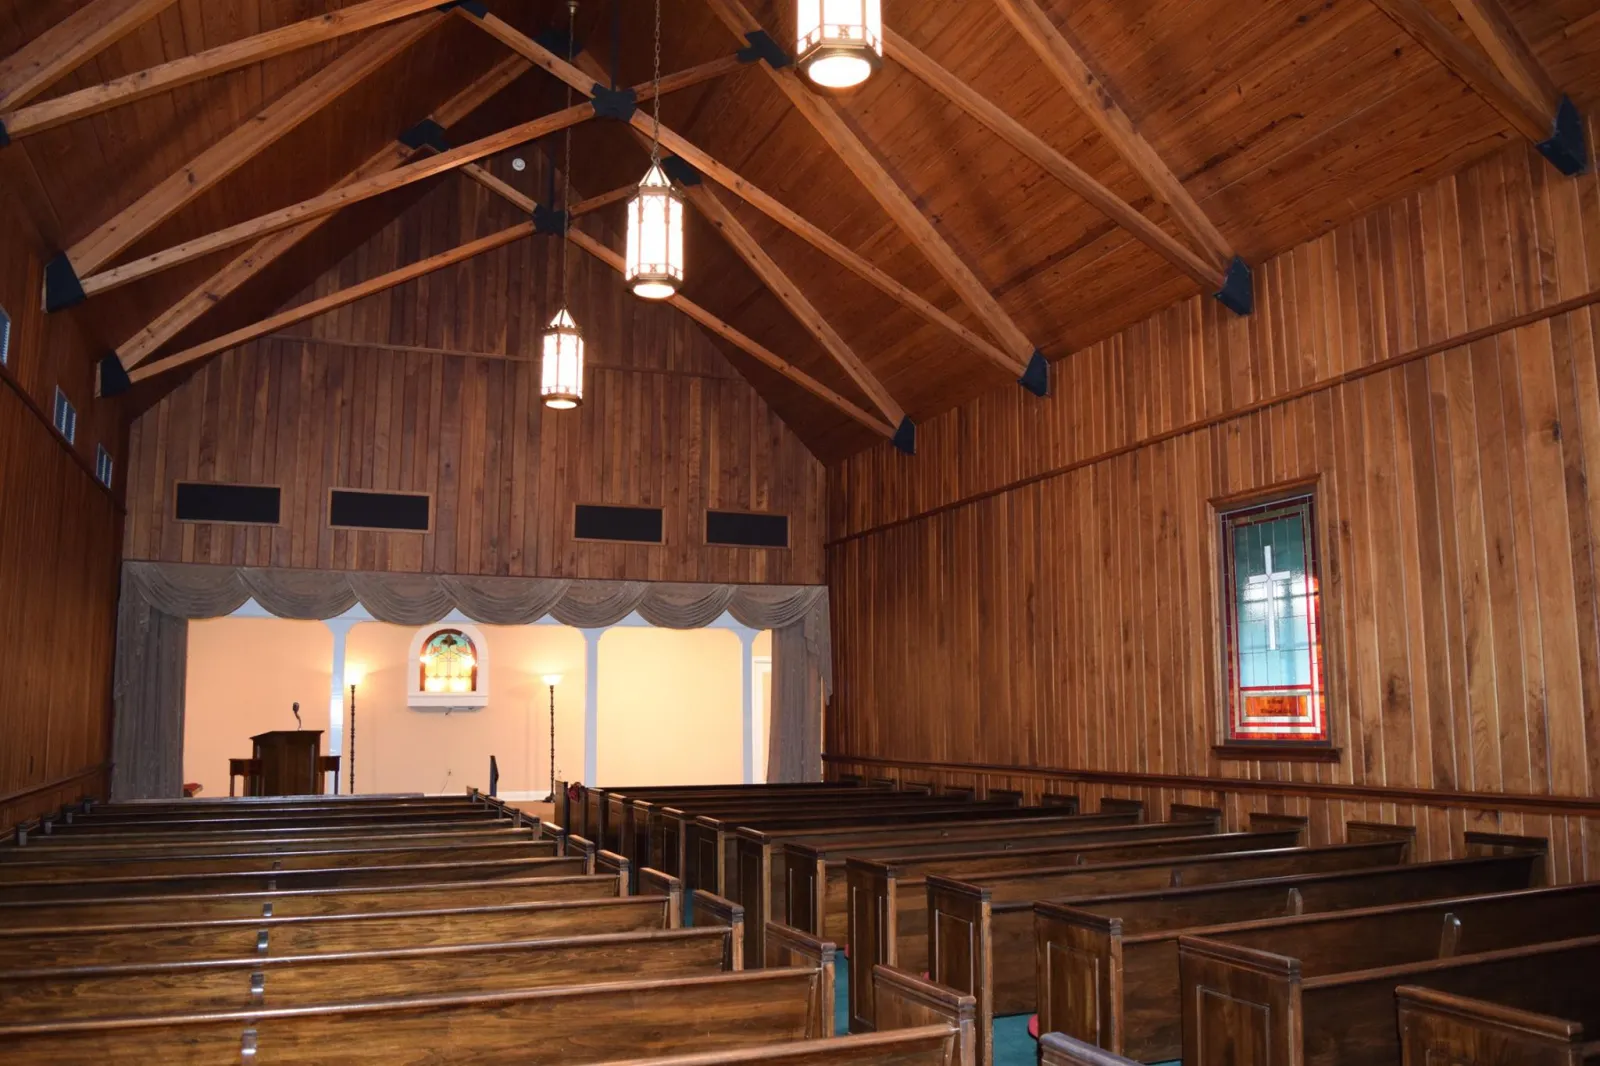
(1522, 802)
(1393, 362)
(60, 782)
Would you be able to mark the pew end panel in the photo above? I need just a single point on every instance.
(805, 877)
(961, 949)
(1264, 822)
(552, 831)
(750, 886)
(870, 919)
(1368, 832)
(656, 883)
(1189, 812)
(1241, 1007)
(1067, 801)
(1058, 1049)
(907, 1002)
(1478, 843)
(1078, 961)
(561, 806)
(1112, 805)
(614, 865)
(712, 909)
(787, 947)
(1012, 795)
(1440, 1027)
(583, 848)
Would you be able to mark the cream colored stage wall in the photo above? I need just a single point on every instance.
(669, 707)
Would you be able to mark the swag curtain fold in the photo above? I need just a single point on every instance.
(159, 599)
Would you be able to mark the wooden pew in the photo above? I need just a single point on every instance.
(114, 844)
(603, 808)
(62, 993)
(998, 909)
(708, 849)
(927, 1045)
(1321, 989)
(293, 903)
(201, 823)
(134, 837)
(811, 879)
(56, 869)
(1562, 1029)
(571, 1025)
(325, 877)
(1125, 947)
(205, 805)
(181, 941)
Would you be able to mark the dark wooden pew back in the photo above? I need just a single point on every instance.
(1437, 1027)
(73, 868)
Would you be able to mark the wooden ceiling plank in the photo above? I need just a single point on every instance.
(1094, 98)
(334, 300)
(247, 140)
(266, 251)
(523, 202)
(584, 81)
(364, 189)
(68, 44)
(1526, 115)
(893, 199)
(1054, 163)
(49, 114)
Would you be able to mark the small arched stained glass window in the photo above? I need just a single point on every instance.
(449, 664)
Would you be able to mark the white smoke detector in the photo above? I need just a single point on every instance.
(519, 164)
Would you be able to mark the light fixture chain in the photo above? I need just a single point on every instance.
(566, 164)
(655, 142)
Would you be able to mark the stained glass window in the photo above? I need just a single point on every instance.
(1273, 625)
(449, 664)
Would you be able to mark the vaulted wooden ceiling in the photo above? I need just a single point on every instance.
(1228, 127)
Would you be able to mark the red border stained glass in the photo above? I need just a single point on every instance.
(1284, 713)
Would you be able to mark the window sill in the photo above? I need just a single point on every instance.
(1252, 753)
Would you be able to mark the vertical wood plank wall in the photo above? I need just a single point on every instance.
(60, 534)
(433, 387)
(1038, 587)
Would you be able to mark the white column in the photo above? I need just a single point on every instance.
(747, 658)
(591, 705)
(336, 689)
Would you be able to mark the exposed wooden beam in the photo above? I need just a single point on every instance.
(1509, 78)
(323, 305)
(246, 141)
(269, 249)
(605, 199)
(894, 200)
(68, 44)
(755, 349)
(1094, 98)
(765, 203)
(1180, 255)
(371, 186)
(231, 56)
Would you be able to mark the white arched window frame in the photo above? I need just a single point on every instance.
(417, 695)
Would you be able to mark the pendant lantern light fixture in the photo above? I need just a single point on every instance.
(839, 43)
(561, 384)
(654, 266)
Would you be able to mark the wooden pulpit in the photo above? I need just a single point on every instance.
(290, 761)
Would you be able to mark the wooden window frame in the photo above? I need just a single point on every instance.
(1227, 747)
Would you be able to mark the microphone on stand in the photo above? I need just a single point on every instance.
(297, 723)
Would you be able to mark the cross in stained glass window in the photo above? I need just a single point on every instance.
(1272, 625)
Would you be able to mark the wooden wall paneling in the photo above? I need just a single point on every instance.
(1039, 589)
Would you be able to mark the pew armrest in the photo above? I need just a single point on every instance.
(584, 848)
(907, 1002)
(609, 862)
(787, 947)
(655, 883)
(712, 910)
(1263, 822)
(1368, 832)
(1441, 1027)
(1057, 1049)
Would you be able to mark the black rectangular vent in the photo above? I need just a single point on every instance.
(248, 505)
(407, 512)
(640, 525)
(743, 530)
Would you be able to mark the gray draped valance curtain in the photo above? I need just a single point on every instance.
(159, 599)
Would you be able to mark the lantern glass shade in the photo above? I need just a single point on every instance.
(562, 384)
(655, 237)
(839, 43)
